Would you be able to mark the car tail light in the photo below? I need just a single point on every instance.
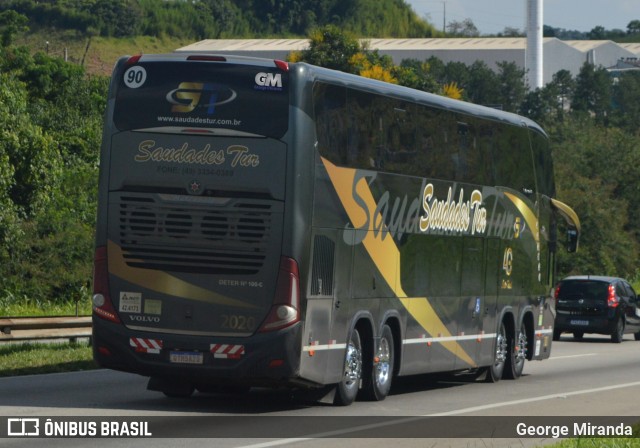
(286, 305)
(556, 293)
(102, 305)
(612, 300)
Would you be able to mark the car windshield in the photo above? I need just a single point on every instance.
(583, 289)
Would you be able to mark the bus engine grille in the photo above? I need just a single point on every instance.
(220, 236)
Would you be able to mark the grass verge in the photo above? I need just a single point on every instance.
(14, 306)
(599, 443)
(30, 358)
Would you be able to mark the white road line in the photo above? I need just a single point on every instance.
(342, 432)
(572, 356)
(533, 399)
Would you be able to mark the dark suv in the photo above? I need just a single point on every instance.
(594, 304)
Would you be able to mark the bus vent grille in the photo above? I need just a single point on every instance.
(229, 239)
(322, 267)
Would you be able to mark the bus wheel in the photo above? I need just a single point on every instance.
(348, 388)
(495, 370)
(378, 382)
(517, 355)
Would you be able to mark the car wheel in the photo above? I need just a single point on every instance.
(348, 388)
(636, 336)
(618, 332)
(378, 380)
(494, 371)
(578, 334)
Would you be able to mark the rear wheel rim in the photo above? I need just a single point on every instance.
(383, 362)
(353, 366)
(520, 350)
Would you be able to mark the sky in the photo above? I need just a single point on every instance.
(493, 16)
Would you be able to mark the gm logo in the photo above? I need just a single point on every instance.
(268, 81)
(23, 427)
(191, 95)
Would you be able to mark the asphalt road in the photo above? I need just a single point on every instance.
(581, 381)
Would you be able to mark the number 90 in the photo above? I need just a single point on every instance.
(134, 77)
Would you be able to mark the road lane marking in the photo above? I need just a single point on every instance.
(573, 356)
(342, 432)
(533, 399)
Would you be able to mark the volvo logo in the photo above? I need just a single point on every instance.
(137, 318)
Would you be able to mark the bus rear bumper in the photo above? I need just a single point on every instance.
(264, 359)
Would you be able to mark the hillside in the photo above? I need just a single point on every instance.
(95, 33)
(97, 54)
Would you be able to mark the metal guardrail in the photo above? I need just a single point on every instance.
(39, 328)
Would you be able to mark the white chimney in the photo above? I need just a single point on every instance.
(533, 63)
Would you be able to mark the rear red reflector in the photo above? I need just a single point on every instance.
(276, 363)
(201, 57)
(104, 351)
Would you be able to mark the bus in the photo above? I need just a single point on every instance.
(271, 224)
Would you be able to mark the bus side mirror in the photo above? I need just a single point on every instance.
(572, 240)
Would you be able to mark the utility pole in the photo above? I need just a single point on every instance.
(444, 17)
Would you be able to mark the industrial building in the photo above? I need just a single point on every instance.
(557, 54)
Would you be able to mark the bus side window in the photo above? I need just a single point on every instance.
(362, 126)
(331, 121)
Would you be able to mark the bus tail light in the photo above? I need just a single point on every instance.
(102, 305)
(612, 300)
(286, 305)
(134, 59)
(282, 65)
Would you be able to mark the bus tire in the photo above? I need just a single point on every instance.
(495, 371)
(347, 389)
(517, 354)
(379, 374)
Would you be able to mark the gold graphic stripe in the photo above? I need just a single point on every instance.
(528, 214)
(162, 282)
(386, 256)
(567, 213)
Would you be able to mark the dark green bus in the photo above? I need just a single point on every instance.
(264, 223)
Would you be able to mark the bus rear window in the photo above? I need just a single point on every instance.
(230, 97)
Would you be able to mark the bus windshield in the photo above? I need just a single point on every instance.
(203, 95)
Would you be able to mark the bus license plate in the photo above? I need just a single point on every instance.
(186, 357)
(579, 322)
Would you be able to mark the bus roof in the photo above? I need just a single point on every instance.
(417, 96)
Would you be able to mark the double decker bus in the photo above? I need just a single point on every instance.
(263, 223)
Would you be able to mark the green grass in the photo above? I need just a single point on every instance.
(29, 358)
(15, 306)
(602, 442)
(98, 54)
(598, 443)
